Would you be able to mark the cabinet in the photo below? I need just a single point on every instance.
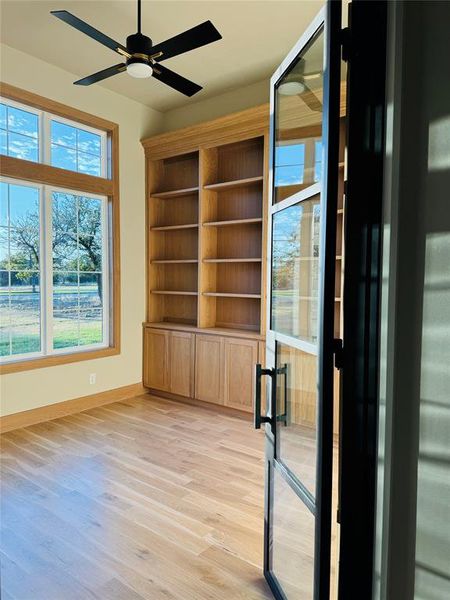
(156, 359)
(209, 368)
(181, 363)
(169, 361)
(240, 356)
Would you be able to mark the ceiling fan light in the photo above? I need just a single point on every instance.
(291, 88)
(139, 70)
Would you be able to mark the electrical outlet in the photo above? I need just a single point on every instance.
(92, 378)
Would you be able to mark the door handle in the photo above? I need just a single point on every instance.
(258, 418)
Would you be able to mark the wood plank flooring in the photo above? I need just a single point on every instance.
(141, 499)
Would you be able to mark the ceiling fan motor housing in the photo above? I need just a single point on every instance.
(139, 46)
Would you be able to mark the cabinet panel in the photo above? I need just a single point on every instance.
(209, 368)
(156, 359)
(240, 359)
(181, 363)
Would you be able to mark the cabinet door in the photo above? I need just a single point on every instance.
(209, 368)
(181, 363)
(240, 359)
(156, 359)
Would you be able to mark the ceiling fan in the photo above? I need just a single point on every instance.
(295, 85)
(142, 58)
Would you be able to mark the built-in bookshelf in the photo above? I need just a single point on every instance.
(206, 243)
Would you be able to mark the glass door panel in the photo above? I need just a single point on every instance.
(293, 542)
(298, 122)
(300, 339)
(295, 269)
(297, 414)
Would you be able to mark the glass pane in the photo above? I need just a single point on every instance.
(65, 310)
(3, 116)
(88, 163)
(90, 253)
(22, 146)
(25, 305)
(91, 327)
(91, 292)
(298, 122)
(4, 314)
(24, 204)
(292, 542)
(63, 135)
(22, 121)
(89, 142)
(3, 142)
(4, 248)
(3, 204)
(65, 252)
(296, 410)
(63, 157)
(89, 215)
(295, 270)
(64, 213)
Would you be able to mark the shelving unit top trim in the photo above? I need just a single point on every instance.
(224, 331)
(238, 126)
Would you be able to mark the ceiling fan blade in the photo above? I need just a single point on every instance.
(109, 72)
(310, 99)
(93, 33)
(198, 36)
(175, 81)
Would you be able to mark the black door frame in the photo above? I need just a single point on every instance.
(330, 18)
(364, 46)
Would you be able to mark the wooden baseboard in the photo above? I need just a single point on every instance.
(68, 407)
(221, 408)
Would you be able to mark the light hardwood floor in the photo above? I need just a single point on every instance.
(141, 499)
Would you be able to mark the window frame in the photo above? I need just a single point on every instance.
(42, 174)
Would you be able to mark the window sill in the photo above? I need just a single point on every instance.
(55, 360)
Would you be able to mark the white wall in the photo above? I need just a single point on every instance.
(217, 106)
(35, 388)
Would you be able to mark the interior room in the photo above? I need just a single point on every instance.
(224, 300)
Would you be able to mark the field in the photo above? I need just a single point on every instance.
(77, 319)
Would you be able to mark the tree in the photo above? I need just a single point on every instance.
(76, 225)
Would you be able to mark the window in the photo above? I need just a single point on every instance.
(19, 132)
(39, 136)
(64, 306)
(59, 234)
(76, 149)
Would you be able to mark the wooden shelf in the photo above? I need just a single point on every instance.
(232, 222)
(174, 227)
(228, 185)
(173, 293)
(231, 295)
(175, 193)
(174, 261)
(232, 260)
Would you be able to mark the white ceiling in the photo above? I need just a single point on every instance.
(257, 34)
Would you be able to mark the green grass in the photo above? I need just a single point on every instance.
(90, 333)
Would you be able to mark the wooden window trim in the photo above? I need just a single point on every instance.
(17, 168)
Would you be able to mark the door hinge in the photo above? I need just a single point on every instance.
(338, 351)
(346, 42)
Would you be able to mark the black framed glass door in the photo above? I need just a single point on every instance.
(305, 99)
